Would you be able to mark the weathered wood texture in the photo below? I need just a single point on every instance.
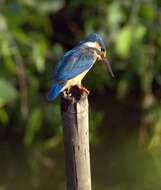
(74, 113)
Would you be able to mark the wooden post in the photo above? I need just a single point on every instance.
(74, 113)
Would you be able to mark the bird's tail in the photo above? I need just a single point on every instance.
(55, 90)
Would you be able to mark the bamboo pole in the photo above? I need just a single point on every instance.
(74, 113)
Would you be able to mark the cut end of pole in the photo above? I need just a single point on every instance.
(71, 96)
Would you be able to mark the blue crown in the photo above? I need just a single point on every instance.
(93, 37)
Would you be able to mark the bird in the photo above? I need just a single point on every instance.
(75, 64)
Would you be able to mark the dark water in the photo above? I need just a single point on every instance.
(118, 162)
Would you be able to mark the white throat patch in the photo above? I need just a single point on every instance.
(99, 57)
(90, 44)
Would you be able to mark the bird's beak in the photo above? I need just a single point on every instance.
(107, 64)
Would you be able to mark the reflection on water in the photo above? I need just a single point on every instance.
(118, 167)
(23, 169)
(117, 162)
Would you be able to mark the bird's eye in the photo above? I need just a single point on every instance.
(102, 49)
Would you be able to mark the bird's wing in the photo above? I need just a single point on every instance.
(72, 64)
(62, 62)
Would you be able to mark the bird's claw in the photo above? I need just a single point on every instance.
(84, 89)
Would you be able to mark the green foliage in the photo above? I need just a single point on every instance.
(38, 54)
(8, 93)
(24, 34)
(123, 42)
(34, 124)
(131, 31)
(156, 139)
(3, 116)
(95, 121)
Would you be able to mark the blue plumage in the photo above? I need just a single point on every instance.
(73, 66)
(93, 37)
(55, 90)
(73, 63)
(70, 65)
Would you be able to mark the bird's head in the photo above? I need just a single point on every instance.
(95, 43)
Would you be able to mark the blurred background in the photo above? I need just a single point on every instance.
(125, 111)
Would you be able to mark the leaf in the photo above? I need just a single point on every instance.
(147, 11)
(122, 88)
(52, 142)
(3, 23)
(5, 47)
(21, 36)
(7, 92)
(156, 138)
(3, 116)
(50, 6)
(123, 42)
(33, 126)
(115, 15)
(15, 14)
(140, 31)
(9, 64)
(38, 54)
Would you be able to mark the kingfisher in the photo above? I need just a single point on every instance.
(75, 64)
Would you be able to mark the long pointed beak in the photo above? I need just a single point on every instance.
(107, 64)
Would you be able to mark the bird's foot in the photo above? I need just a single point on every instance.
(83, 89)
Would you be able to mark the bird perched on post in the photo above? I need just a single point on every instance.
(75, 64)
